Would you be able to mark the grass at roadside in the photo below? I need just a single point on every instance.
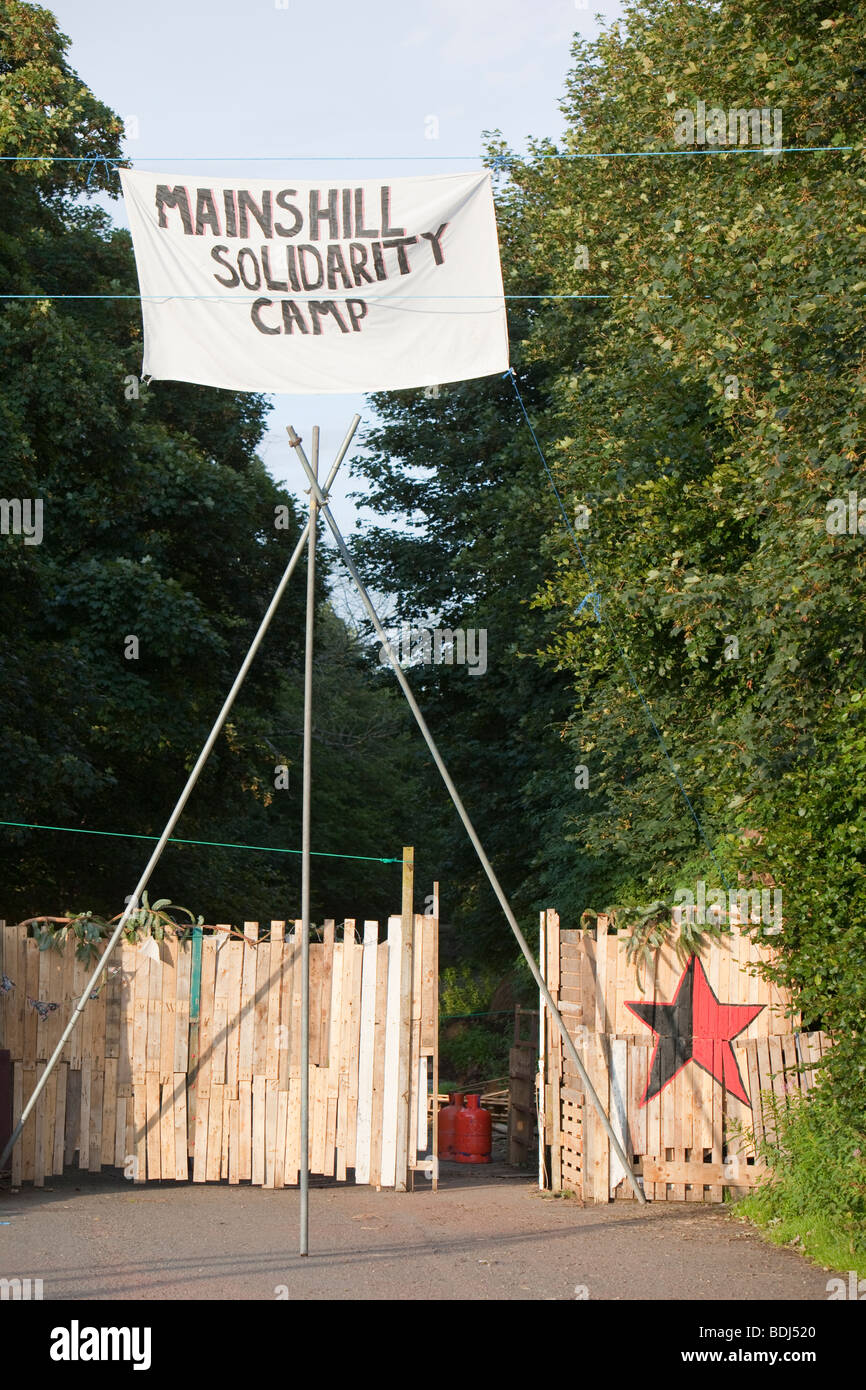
(815, 1199)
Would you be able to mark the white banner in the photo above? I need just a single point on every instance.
(301, 287)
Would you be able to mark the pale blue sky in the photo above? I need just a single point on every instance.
(207, 82)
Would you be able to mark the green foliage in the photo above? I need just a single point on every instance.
(473, 1053)
(88, 929)
(816, 1199)
(465, 990)
(704, 414)
(471, 1050)
(811, 839)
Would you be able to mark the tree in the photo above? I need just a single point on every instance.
(698, 421)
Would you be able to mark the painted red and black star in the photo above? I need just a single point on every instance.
(695, 1027)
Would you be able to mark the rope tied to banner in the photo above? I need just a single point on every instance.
(96, 159)
(596, 603)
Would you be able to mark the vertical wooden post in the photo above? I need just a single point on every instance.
(405, 1030)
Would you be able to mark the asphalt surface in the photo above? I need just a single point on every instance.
(486, 1234)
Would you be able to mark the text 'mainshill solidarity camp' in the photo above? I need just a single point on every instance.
(327, 242)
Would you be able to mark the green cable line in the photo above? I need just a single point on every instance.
(215, 844)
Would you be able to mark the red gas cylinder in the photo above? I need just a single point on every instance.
(448, 1124)
(473, 1133)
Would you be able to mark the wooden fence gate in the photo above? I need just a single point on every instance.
(682, 1069)
(186, 1063)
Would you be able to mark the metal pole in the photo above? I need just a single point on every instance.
(567, 1042)
(172, 821)
(305, 853)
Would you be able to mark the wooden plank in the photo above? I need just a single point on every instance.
(602, 1022)
(54, 993)
(317, 965)
(618, 1112)
(213, 1160)
(183, 967)
(612, 947)
(13, 1002)
(327, 966)
(37, 1127)
(275, 980)
(291, 958)
(755, 1089)
(221, 1012)
(96, 1008)
(181, 1141)
(318, 1118)
(271, 1109)
(166, 1123)
(710, 1174)
(366, 1052)
(404, 1045)
(332, 1072)
(415, 1043)
(49, 1115)
(169, 952)
(31, 1017)
(140, 1022)
(429, 1020)
(154, 1017)
(596, 1144)
(259, 1130)
(379, 1038)
(813, 1053)
(777, 1067)
(86, 1070)
(17, 1109)
(354, 1051)
(260, 1018)
(246, 1042)
(234, 1128)
(291, 1172)
(282, 1126)
(390, 1103)
(791, 1064)
(60, 1118)
(297, 988)
(638, 1062)
(204, 1065)
(766, 1080)
(78, 1045)
(226, 1132)
(73, 1116)
(123, 1150)
(245, 1130)
(128, 961)
(341, 1135)
(236, 951)
(140, 1115)
(152, 1094)
(109, 1111)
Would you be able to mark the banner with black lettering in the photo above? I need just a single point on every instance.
(299, 287)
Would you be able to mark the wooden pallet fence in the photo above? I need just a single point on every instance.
(177, 1074)
(691, 1133)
